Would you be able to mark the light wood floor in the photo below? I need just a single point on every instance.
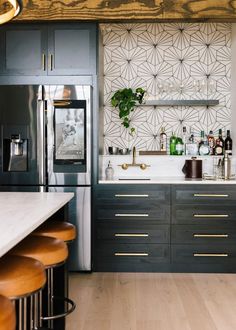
(138, 301)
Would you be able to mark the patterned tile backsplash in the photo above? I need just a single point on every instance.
(170, 61)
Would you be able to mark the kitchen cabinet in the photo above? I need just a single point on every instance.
(132, 228)
(48, 49)
(203, 232)
(165, 228)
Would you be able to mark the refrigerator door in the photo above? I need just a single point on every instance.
(20, 106)
(68, 134)
(80, 216)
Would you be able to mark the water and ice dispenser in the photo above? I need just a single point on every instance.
(15, 152)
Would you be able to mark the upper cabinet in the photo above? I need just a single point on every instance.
(53, 49)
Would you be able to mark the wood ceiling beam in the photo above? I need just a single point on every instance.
(116, 10)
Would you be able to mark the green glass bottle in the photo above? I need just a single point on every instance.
(179, 147)
(173, 144)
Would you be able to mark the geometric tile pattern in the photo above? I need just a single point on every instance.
(170, 61)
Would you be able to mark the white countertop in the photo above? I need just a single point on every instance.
(164, 180)
(22, 212)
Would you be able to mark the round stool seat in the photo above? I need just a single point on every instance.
(20, 276)
(7, 315)
(50, 251)
(57, 229)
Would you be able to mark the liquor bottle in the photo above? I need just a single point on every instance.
(179, 146)
(204, 148)
(211, 142)
(201, 139)
(191, 146)
(219, 147)
(228, 144)
(173, 144)
(184, 139)
(163, 140)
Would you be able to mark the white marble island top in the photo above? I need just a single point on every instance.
(22, 212)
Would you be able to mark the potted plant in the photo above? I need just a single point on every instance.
(126, 99)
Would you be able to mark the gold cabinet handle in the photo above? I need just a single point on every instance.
(61, 103)
(210, 195)
(51, 62)
(211, 215)
(124, 195)
(211, 235)
(210, 255)
(131, 215)
(125, 254)
(131, 235)
(44, 62)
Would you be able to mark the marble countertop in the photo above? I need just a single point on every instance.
(163, 180)
(22, 212)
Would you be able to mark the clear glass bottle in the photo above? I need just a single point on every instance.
(204, 148)
(191, 146)
(109, 172)
(163, 140)
(184, 139)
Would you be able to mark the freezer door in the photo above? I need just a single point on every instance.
(20, 106)
(80, 216)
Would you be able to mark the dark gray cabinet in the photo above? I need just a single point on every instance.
(48, 49)
(176, 228)
(132, 228)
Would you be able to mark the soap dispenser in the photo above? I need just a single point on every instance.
(109, 172)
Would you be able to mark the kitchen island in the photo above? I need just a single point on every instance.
(22, 212)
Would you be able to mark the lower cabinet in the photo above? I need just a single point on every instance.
(154, 228)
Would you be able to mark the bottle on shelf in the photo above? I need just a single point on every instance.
(201, 140)
(204, 148)
(173, 144)
(211, 143)
(163, 140)
(219, 146)
(228, 144)
(184, 139)
(191, 146)
(179, 149)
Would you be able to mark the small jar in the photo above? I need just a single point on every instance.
(109, 172)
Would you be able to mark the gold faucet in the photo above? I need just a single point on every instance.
(125, 166)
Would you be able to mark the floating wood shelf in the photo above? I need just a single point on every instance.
(181, 103)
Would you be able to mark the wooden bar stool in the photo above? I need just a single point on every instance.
(20, 278)
(57, 229)
(7, 314)
(52, 253)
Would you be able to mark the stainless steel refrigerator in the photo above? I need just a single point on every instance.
(46, 146)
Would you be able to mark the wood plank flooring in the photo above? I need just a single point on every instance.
(148, 301)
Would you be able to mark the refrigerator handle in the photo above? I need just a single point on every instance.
(41, 165)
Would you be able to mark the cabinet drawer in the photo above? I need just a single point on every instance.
(204, 214)
(203, 254)
(134, 212)
(213, 236)
(132, 233)
(207, 194)
(133, 253)
(130, 193)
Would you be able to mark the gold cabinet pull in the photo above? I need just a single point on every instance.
(125, 254)
(210, 255)
(131, 235)
(51, 62)
(61, 103)
(211, 235)
(131, 215)
(211, 215)
(44, 62)
(133, 195)
(210, 195)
